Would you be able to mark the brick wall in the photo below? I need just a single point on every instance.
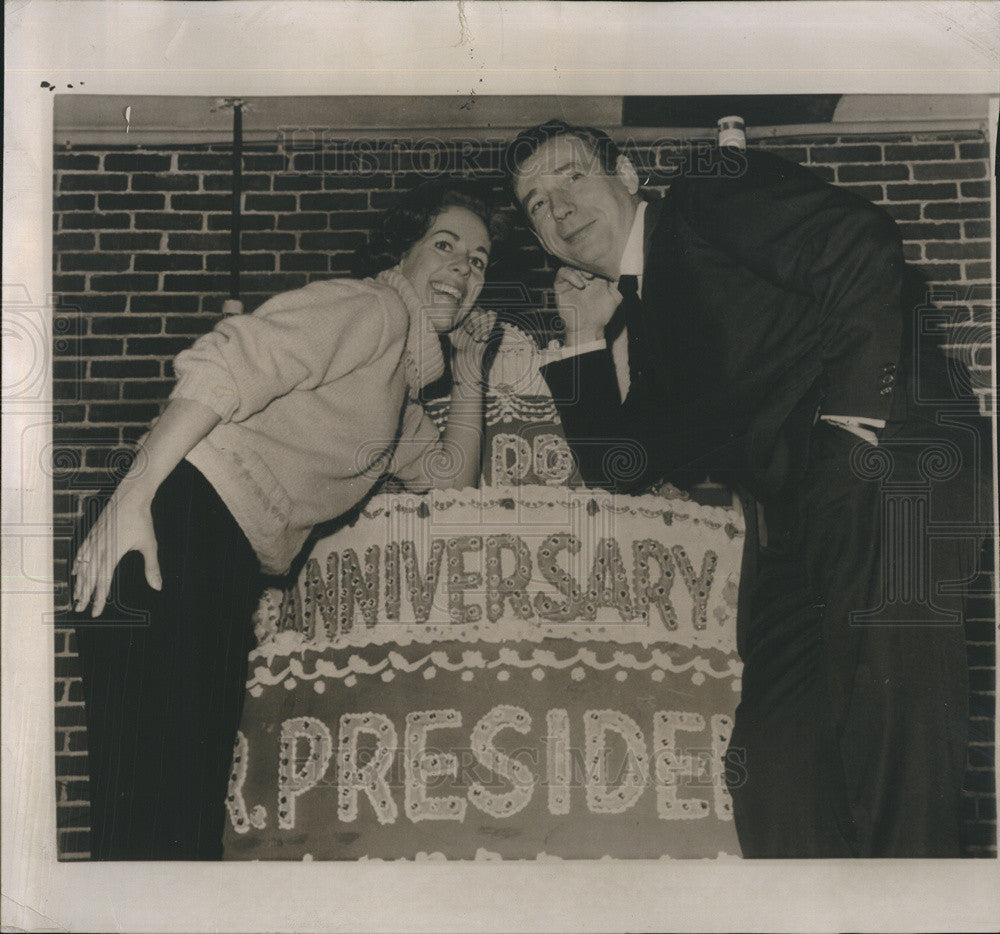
(141, 260)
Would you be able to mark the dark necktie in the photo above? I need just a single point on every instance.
(629, 315)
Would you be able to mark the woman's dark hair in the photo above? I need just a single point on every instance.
(403, 224)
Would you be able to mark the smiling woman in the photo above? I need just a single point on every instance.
(280, 420)
(447, 265)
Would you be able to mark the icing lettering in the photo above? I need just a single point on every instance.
(392, 581)
(646, 592)
(368, 768)
(419, 765)
(608, 583)
(722, 731)
(511, 458)
(354, 776)
(241, 819)
(512, 587)
(359, 588)
(672, 767)
(292, 780)
(500, 574)
(558, 760)
(421, 587)
(320, 599)
(601, 797)
(516, 773)
(548, 566)
(699, 586)
(553, 459)
(461, 579)
(548, 457)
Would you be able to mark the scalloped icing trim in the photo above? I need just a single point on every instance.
(290, 642)
(294, 671)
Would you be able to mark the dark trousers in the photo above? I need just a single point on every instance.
(164, 675)
(852, 729)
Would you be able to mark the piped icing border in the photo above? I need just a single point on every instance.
(658, 664)
(670, 508)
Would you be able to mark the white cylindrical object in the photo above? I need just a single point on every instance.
(732, 132)
(232, 306)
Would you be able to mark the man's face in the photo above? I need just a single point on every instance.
(580, 214)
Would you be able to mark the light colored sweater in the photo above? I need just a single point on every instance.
(316, 391)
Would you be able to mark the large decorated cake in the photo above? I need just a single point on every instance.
(529, 670)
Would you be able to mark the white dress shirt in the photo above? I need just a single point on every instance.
(631, 265)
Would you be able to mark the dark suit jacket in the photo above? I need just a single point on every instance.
(766, 297)
(769, 298)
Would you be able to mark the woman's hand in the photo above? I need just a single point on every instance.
(127, 522)
(461, 441)
(469, 343)
(585, 303)
(125, 525)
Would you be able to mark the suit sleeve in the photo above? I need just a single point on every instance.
(836, 249)
(626, 446)
(839, 252)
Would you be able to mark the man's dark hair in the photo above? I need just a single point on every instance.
(403, 224)
(529, 141)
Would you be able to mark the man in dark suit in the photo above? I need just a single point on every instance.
(749, 326)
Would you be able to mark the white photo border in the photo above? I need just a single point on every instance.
(308, 47)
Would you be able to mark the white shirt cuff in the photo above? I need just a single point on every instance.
(857, 425)
(563, 353)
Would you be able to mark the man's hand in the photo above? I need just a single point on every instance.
(585, 303)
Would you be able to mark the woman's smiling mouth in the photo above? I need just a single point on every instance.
(449, 291)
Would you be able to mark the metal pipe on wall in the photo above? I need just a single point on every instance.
(233, 305)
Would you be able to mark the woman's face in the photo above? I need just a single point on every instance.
(447, 265)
